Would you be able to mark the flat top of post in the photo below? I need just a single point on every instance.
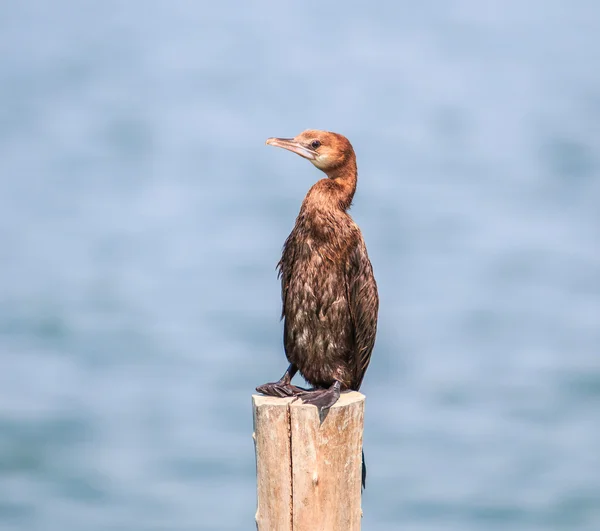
(345, 400)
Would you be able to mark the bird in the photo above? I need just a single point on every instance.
(330, 301)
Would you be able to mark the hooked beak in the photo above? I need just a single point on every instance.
(293, 146)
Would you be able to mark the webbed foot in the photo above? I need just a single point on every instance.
(323, 399)
(283, 388)
(280, 389)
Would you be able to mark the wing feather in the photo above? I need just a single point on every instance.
(286, 268)
(363, 301)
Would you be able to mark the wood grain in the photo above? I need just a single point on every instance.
(308, 474)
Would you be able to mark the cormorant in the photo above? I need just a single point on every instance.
(328, 290)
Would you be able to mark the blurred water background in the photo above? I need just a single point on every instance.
(141, 218)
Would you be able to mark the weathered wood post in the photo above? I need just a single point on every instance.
(308, 474)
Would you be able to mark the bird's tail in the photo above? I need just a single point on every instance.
(364, 471)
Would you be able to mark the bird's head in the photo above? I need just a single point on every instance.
(330, 152)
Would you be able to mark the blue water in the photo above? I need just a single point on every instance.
(141, 218)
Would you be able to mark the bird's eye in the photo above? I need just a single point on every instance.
(315, 144)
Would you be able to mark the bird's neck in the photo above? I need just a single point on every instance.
(331, 195)
(344, 179)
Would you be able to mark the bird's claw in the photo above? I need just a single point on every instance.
(323, 399)
(279, 389)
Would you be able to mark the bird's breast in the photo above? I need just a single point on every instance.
(318, 322)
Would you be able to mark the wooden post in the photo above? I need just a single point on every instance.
(308, 474)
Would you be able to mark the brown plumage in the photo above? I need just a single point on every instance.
(329, 294)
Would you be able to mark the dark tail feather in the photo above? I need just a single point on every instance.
(364, 471)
